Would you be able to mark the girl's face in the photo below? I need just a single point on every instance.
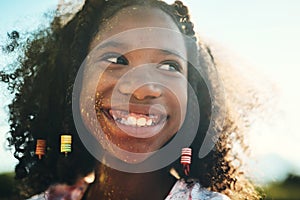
(135, 83)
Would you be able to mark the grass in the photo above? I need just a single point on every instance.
(289, 189)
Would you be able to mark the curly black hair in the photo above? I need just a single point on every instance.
(43, 82)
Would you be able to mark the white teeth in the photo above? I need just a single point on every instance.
(135, 120)
(131, 121)
(141, 122)
(149, 122)
(124, 121)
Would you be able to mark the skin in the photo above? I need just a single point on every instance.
(117, 66)
(118, 63)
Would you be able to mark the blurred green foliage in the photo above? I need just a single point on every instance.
(8, 188)
(288, 189)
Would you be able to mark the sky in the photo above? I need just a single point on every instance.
(262, 35)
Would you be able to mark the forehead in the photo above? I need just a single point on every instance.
(140, 26)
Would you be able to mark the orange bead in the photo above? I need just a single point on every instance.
(40, 148)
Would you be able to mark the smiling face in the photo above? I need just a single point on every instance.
(135, 83)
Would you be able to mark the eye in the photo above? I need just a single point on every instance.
(115, 59)
(170, 66)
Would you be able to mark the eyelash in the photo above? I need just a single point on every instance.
(174, 65)
(121, 60)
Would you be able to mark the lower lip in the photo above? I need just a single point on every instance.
(141, 132)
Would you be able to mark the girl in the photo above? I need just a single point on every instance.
(105, 103)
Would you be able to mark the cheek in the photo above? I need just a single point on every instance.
(92, 89)
(107, 81)
(180, 94)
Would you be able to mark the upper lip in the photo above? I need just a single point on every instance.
(138, 109)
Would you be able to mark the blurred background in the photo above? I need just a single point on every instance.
(259, 38)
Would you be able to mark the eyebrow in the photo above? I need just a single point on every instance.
(171, 52)
(111, 44)
(124, 46)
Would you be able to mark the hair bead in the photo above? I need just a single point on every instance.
(186, 160)
(65, 144)
(40, 149)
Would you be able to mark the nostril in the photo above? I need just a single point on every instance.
(142, 92)
(147, 91)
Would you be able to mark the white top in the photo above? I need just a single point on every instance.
(180, 191)
(193, 191)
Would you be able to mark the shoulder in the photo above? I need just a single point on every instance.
(194, 191)
(42, 196)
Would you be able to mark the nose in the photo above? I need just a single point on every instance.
(147, 91)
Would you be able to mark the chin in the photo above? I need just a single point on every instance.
(134, 159)
(127, 156)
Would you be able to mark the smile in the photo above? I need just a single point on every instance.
(137, 123)
(136, 119)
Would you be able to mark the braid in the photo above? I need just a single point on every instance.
(182, 15)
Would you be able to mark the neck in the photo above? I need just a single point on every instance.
(113, 184)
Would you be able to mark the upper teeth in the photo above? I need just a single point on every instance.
(133, 121)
